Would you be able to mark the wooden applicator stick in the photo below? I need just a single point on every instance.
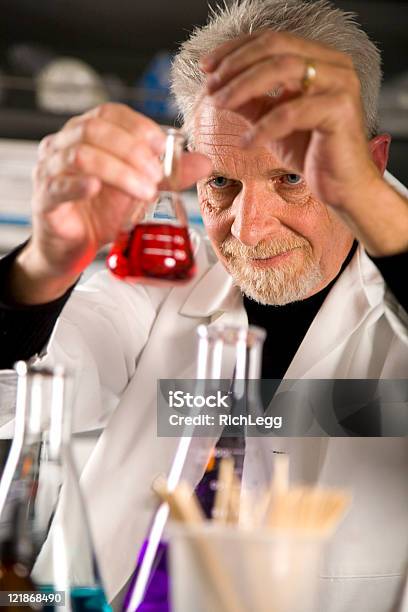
(184, 507)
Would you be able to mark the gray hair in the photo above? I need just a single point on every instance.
(314, 20)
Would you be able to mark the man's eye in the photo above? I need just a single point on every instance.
(292, 179)
(219, 182)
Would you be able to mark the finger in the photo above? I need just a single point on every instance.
(101, 134)
(261, 48)
(239, 53)
(129, 120)
(281, 72)
(66, 188)
(239, 59)
(119, 213)
(83, 159)
(210, 61)
(193, 167)
(45, 147)
(326, 113)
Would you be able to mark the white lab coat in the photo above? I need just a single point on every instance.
(120, 338)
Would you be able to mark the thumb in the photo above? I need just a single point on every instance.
(193, 167)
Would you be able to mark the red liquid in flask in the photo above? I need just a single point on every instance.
(153, 251)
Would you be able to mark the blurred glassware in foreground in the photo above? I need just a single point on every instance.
(228, 358)
(40, 549)
(158, 250)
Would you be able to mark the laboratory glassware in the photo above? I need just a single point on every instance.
(225, 353)
(45, 541)
(158, 250)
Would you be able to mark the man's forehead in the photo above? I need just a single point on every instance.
(218, 133)
(217, 126)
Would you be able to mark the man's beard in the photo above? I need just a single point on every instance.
(287, 282)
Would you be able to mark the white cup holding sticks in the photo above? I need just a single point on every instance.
(256, 555)
(269, 571)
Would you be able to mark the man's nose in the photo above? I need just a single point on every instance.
(256, 215)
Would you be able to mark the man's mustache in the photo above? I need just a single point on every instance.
(231, 247)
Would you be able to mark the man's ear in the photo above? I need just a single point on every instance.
(379, 147)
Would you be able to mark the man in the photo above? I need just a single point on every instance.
(280, 97)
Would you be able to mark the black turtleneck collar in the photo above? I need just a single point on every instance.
(286, 326)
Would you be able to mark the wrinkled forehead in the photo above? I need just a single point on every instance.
(217, 126)
(218, 133)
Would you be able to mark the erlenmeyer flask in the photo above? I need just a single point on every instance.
(158, 250)
(227, 356)
(40, 550)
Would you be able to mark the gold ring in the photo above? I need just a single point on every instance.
(309, 76)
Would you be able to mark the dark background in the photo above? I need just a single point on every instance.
(120, 37)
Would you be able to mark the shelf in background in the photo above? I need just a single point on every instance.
(28, 124)
(17, 160)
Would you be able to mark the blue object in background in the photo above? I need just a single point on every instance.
(15, 220)
(155, 81)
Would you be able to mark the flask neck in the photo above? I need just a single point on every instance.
(230, 352)
(42, 414)
(169, 207)
(172, 159)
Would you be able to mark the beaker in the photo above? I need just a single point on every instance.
(158, 250)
